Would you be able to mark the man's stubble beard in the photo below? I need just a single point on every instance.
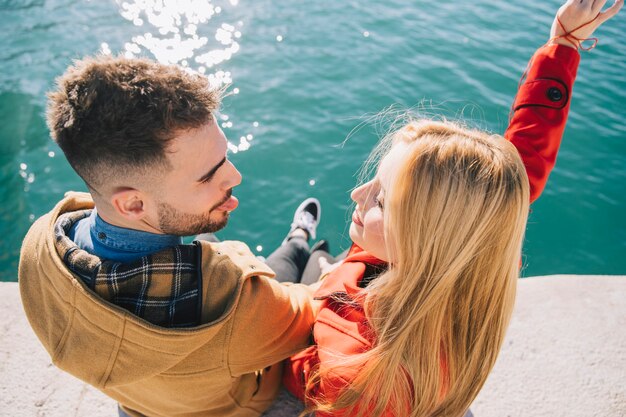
(179, 223)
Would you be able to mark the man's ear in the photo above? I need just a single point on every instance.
(129, 203)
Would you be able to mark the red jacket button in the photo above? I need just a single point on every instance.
(554, 94)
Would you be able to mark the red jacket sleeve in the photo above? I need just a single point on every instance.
(540, 111)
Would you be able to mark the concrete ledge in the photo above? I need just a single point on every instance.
(565, 355)
(565, 352)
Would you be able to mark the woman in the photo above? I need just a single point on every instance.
(446, 211)
(413, 319)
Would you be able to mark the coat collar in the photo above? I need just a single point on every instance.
(347, 277)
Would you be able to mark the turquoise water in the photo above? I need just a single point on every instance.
(307, 75)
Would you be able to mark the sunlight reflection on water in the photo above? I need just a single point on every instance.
(175, 36)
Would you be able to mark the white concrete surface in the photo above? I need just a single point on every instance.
(565, 355)
(565, 351)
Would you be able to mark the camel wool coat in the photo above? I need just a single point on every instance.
(224, 367)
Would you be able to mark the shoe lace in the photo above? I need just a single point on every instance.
(305, 221)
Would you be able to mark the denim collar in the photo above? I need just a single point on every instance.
(128, 240)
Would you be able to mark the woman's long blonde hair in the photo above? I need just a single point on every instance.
(454, 217)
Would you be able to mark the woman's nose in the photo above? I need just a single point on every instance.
(357, 193)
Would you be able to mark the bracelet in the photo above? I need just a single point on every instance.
(575, 41)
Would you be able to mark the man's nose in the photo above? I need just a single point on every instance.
(234, 176)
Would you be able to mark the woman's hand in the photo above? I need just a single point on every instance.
(327, 267)
(575, 14)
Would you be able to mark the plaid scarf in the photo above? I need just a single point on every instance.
(164, 288)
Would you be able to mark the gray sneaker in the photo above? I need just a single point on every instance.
(306, 217)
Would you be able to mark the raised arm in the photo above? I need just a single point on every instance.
(542, 103)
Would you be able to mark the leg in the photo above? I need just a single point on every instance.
(289, 260)
(312, 271)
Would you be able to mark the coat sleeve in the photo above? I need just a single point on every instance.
(273, 321)
(540, 111)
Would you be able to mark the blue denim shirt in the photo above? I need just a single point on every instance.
(117, 243)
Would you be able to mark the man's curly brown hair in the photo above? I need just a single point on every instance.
(115, 115)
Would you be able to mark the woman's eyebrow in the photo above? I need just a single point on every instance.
(206, 177)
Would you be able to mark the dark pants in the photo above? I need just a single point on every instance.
(293, 262)
(289, 260)
(312, 271)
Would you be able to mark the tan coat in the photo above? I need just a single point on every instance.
(217, 369)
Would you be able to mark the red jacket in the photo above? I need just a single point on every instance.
(540, 113)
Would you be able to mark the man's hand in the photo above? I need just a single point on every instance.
(576, 13)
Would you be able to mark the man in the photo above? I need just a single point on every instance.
(109, 288)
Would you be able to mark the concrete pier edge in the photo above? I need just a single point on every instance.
(564, 355)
